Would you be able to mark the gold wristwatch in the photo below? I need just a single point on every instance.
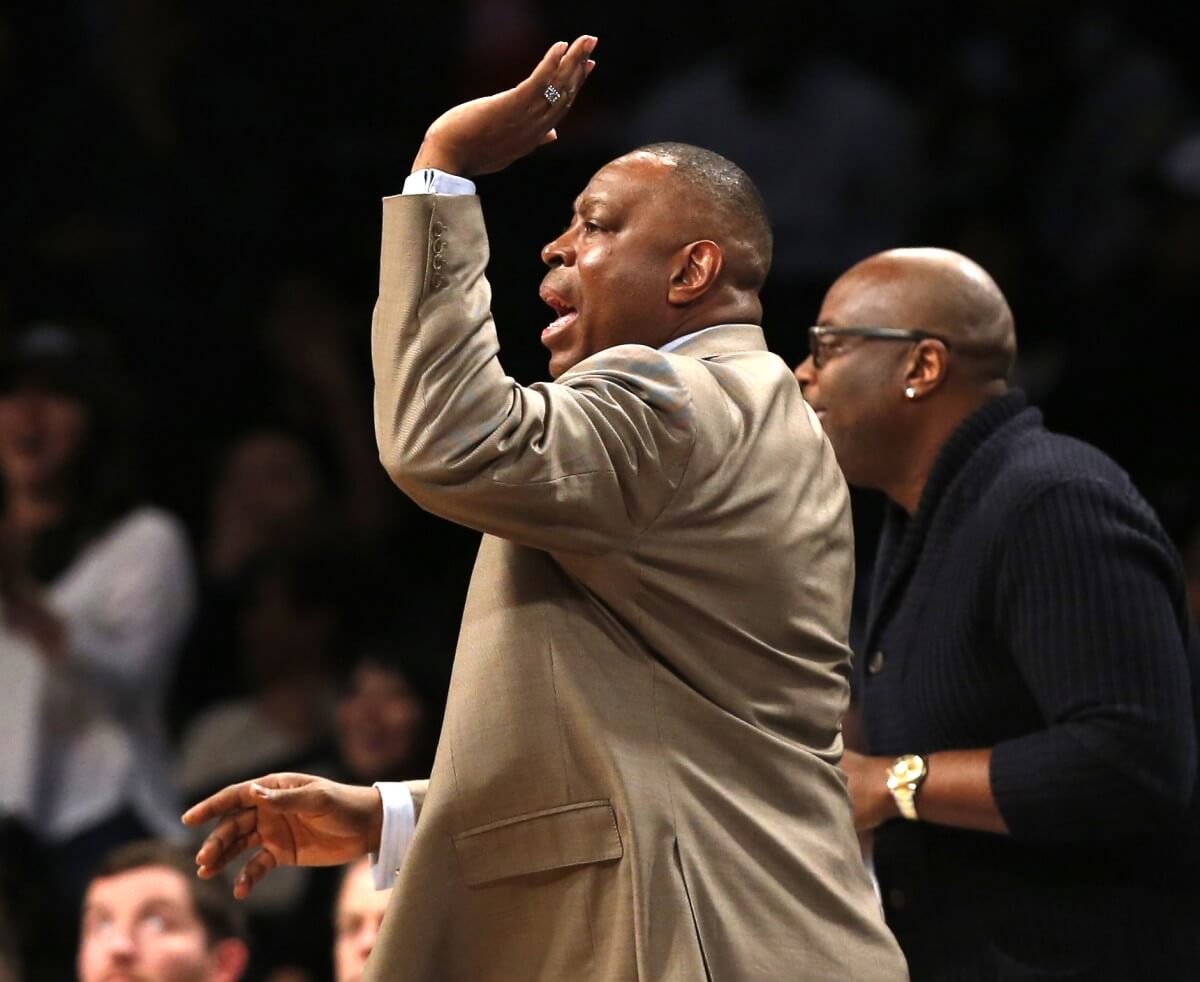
(903, 778)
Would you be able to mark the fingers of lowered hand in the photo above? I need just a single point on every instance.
(228, 799)
(252, 873)
(242, 795)
(302, 795)
(231, 837)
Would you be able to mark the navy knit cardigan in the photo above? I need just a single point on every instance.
(1034, 605)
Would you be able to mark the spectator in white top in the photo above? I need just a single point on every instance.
(95, 592)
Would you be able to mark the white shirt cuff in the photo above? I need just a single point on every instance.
(430, 180)
(398, 824)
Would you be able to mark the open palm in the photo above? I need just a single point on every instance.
(486, 135)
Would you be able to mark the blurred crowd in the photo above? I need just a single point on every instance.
(206, 574)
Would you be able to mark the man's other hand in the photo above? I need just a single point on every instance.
(291, 820)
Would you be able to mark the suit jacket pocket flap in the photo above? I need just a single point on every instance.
(570, 835)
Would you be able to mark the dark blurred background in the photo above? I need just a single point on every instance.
(199, 184)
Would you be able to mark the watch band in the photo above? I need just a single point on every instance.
(905, 797)
(904, 777)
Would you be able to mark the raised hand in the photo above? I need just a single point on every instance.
(486, 135)
(291, 819)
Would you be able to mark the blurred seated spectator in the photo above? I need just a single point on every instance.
(858, 179)
(147, 916)
(296, 617)
(386, 725)
(1126, 98)
(96, 590)
(308, 335)
(275, 490)
(357, 918)
(294, 620)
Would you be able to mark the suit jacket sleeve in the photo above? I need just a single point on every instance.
(584, 464)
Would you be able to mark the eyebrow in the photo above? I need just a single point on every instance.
(583, 201)
(157, 905)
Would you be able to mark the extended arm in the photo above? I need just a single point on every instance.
(579, 465)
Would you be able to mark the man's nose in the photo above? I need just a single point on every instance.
(806, 374)
(121, 948)
(559, 252)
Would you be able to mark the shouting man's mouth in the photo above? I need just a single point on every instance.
(566, 314)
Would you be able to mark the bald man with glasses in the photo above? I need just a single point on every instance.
(1030, 684)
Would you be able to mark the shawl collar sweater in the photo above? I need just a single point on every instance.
(1034, 605)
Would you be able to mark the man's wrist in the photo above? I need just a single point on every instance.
(885, 802)
(434, 155)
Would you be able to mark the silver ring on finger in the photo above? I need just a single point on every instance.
(552, 94)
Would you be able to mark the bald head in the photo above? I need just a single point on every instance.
(888, 399)
(938, 291)
(718, 201)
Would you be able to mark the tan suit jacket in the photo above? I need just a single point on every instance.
(636, 776)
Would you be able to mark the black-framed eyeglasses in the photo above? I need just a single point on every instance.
(818, 333)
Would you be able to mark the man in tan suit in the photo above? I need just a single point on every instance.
(637, 775)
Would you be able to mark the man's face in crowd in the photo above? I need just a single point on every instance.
(360, 910)
(609, 270)
(141, 926)
(854, 391)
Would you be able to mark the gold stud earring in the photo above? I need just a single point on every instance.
(910, 393)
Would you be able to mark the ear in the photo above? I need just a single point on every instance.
(229, 959)
(697, 266)
(927, 367)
